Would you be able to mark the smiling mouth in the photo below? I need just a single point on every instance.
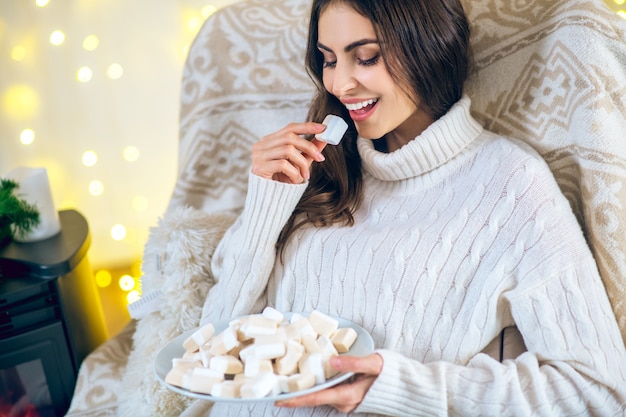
(364, 105)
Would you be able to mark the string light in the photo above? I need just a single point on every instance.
(103, 278)
(84, 74)
(126, 282)
(118, 232)
(27, 137)
(90, 158)
(20, 102)
(115, 71)
(131, 153)
(90, 43)
(42, 3)
(96, 188)
(132, 296)
(57, 38)
(18, 53)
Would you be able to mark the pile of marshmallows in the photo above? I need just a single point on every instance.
(260, 355)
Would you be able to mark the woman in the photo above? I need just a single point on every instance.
(425, 229)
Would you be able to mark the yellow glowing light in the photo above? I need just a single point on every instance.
(131, 153)
(96, 188)
(84, 74)
(126, 282)
(194, 24)
(27, 137)
(619, 2)
(20, 102)
(18, 53)
(139, 203)
(115, 71)
(57, 37)
(90, 158)
(622, 13)
(42, 3)
(208, 10)
(118, 232)
(103, 278)
(132, 296)
(90, 43)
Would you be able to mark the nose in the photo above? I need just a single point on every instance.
(343, 79)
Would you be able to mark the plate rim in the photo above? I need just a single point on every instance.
(367, 344)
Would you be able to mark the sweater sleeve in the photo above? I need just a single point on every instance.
(575, 368)
(245, 256)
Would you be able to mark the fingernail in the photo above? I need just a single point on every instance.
(320, 157)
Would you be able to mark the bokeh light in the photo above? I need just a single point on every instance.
(133, 296)
(118, 232)
(27, 137)
(18, 53)
(90, 158)
(96, 188)
(20, 102)
(90, 43)
(57, 38)
(131, 153)
(103, 278)
(115, 71)
(84, 74)
(126, 282)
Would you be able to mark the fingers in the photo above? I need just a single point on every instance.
(287, 156)
(369, 365)
(343, 397)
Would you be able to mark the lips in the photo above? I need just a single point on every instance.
(361, 110)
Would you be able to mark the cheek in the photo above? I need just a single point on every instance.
(327, 79)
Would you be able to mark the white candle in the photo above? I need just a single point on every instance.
(34, 188)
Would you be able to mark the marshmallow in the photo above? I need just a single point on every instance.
(227, 389)
(201, 380)
(323, 324)
(255, 366)
(297, 382)
(259, 386)
(326, 347)
(263, 351)
(258, 326)
(312, 363)
(288, 364)
(226, 364)
(335, 129)
(272, 314)
(343, 339)
(224, 342)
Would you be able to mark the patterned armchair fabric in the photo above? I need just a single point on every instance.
(550, 73)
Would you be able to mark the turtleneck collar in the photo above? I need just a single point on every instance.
(438, 144)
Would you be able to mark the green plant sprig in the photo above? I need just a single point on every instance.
(17, 216)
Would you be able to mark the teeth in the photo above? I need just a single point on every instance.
(359, 106)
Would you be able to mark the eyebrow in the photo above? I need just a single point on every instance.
(350, 47)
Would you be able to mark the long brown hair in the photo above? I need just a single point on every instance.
(425, 47)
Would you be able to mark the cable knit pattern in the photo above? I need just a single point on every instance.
(461, 234)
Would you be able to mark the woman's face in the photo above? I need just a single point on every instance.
(355, 73)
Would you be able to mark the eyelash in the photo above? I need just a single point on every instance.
(366, 62)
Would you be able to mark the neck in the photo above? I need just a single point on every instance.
(407, 131)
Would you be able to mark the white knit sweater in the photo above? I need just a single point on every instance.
(460, 234)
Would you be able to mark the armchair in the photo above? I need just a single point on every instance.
(549, 73)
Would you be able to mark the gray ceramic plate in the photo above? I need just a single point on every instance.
(362, 346)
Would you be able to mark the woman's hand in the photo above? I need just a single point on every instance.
(344, 397)
(285, 155)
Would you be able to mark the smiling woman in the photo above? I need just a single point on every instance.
(430, 231)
